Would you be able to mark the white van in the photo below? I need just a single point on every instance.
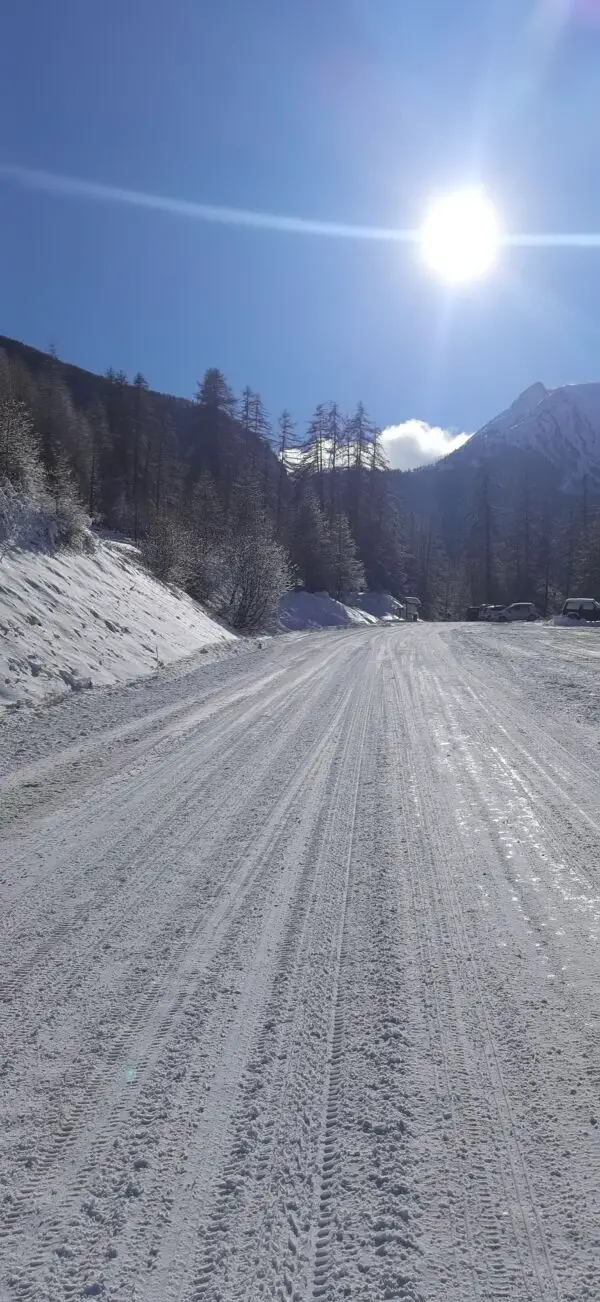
(519, 610)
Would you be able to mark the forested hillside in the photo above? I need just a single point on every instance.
(501, 527)
(221, 499)
(236, 506)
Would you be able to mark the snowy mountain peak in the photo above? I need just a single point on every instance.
(529, 399)
(562, 424)
(522, 407)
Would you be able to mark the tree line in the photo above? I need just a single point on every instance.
(501, 529)
(237, 508)
(219, 500)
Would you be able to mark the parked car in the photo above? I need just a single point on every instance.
(472, 612)
(491, 612)
(582, 608)
(519, 610)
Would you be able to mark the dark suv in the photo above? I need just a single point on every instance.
(582, 608)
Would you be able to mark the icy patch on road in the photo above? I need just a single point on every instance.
(71, 621)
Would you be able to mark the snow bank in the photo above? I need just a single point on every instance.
(563, 621)
(69, 621)
(305, 610)
(380, 604)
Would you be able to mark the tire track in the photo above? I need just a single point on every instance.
(132, 852)
(354, 1079)
(468, 1038)
(563, 1065)
(327, 1180)
(258, 859)
(282, 1043)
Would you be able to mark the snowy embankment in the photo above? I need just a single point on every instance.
(69, 621)
(380, 604)
(300, 611)
(565, 621)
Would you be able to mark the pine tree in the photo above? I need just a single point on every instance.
(117, 487)
(141, 446)
(165, 486)
(246, 417)
(19, 448)
(310, 542)
(429, 571)
(590, 560)
(333, 436)
(481, 545)
(359, 436)
(216, 406)
(63, 431)
(347, 570)
(570, 550)
(99, 441)
(545, 559)
(262, 440)
(286, 443)
(314, 452)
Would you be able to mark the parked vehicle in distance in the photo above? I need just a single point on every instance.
(412, 607)
(582, 608)
(473, 612)
(519, 610)
(491, 612)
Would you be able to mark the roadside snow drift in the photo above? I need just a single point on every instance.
(565, 621)
(380, 604)
(306, 610)
(69, 621)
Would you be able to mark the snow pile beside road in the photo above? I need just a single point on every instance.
(380, 604)
(306, 610)
(565, 621)
(69, 621)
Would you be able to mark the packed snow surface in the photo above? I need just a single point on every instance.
(300, 978)
(71, 620)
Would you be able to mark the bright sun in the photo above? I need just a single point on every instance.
(461, 236)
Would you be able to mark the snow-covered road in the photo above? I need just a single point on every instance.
(300, 988)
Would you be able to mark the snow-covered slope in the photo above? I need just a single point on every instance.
(563, 424)
(69, 621)
(300, 611)
(380, 604)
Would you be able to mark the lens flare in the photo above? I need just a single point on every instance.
(461, 236)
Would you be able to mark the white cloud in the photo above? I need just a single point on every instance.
(415, 443)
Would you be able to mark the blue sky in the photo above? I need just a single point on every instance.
(350, 111)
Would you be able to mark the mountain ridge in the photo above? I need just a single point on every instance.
(562, 424)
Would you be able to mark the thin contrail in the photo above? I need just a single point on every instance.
(554, 240)
(205, 212)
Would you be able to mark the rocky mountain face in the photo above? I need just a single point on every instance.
(563, 425)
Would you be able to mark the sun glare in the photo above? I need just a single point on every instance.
(461, 236)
